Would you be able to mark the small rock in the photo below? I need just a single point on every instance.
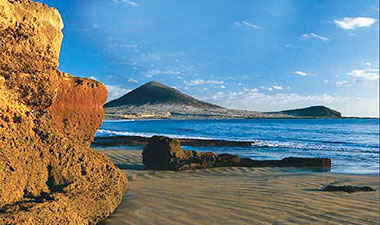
(347, 188)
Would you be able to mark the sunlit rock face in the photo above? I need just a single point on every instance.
(48, 118)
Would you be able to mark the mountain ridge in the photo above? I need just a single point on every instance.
(156, 100)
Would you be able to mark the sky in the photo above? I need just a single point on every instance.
(246, 54)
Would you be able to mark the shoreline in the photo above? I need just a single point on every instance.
(239, 196)
(109, 119)
(120, 141)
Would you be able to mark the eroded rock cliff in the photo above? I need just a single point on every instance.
(48, 118)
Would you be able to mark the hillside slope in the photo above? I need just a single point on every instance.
(313, 111)
(156, 93)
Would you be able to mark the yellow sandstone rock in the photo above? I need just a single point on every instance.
(48, 118)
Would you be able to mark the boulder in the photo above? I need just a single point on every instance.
(163, 153)
(48, 118)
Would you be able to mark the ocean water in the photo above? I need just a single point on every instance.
(352, 144)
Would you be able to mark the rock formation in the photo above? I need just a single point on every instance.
(163, 153)
(347, 188)
(48, 118)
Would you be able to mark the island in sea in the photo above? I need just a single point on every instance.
(154, 100)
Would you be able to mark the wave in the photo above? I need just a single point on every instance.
(118, 121)
(324, 146)
(108, 133)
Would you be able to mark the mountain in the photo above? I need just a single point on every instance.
(155, 100)
(156, 93)
(313, 111)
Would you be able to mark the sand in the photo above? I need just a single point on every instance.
(239, 196)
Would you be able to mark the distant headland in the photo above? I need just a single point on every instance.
(154, 100)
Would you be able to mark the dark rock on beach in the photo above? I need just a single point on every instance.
(162, 153)
(48, 118)
(288, 162)
(347, 188)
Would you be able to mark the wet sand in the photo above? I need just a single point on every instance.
(239, 196)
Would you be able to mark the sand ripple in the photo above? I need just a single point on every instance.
(239, 196)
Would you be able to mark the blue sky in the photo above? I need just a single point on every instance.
(246, 54)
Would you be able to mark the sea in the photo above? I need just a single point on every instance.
(351, 143)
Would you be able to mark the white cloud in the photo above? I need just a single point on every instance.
(155, 72)
(247, 24)
(343, 83)
(301, 73)
(128, 2)
(94, 78)
(171, 72)
(319, 37)
(194, 82)
(114, 91)
(132, 80)
(215, 82)
(222, 86)
(202, 82)
(314, 35)
(277, 87)
(350, 23)
(128, 46)
(367, 74)
(368, 64)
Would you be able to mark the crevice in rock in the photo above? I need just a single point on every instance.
(53, 184)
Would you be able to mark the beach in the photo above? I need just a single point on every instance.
(189, 112)
(239, 196)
